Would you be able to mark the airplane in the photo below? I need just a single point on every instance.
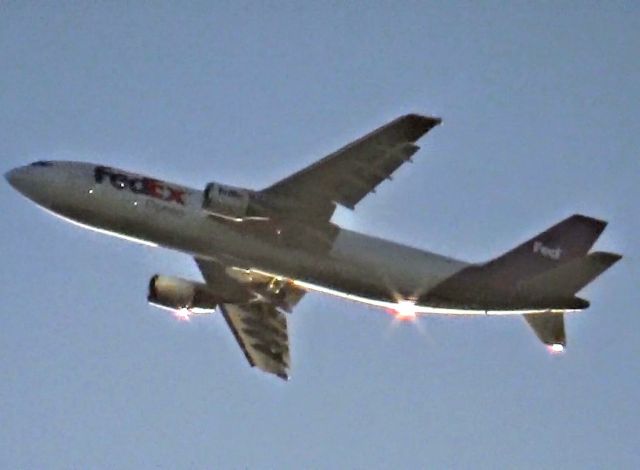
(260, 251)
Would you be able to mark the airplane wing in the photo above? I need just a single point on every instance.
(258, 322)
(261, 331)
(349, 174)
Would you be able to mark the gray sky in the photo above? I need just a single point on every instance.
(540, 104)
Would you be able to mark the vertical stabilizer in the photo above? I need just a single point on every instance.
(491, 282)
(572, 238)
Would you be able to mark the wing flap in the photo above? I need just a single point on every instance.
(261, 331)
(256, 316)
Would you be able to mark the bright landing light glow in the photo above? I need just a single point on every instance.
(556, 348)
(404, 310)
(182, 315)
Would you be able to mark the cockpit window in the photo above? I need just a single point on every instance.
(42, 163)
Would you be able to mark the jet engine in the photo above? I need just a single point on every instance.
(227, 201)
(179, 294)
(239, 204)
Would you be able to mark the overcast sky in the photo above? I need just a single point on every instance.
(540, 102)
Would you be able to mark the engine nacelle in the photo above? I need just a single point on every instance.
(227, 201)
(238, 204)
(179, 294)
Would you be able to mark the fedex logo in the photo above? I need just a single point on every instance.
(230, 192)
(146, 186)
(551, 253)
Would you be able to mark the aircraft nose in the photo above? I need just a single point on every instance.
(30, 181)
(48, 183)
(16, 178)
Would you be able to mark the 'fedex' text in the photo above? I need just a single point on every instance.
(146, 186)
(551, 253)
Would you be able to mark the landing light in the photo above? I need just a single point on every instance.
(556, 348)
(182, 315)
(404, 310)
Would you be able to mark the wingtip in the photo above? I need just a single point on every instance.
(432, 120)
(416, 125)
(284, 376)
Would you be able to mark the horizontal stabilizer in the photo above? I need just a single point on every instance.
(549, 327)
(569, 278)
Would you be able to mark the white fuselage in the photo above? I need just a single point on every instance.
(357, 267)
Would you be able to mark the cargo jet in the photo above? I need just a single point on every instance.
(260, 251)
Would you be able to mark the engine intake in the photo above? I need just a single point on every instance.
(227, 201)
(176, 293)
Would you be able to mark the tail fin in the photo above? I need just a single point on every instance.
(572, 238)
(568, 240)
(569, 278)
